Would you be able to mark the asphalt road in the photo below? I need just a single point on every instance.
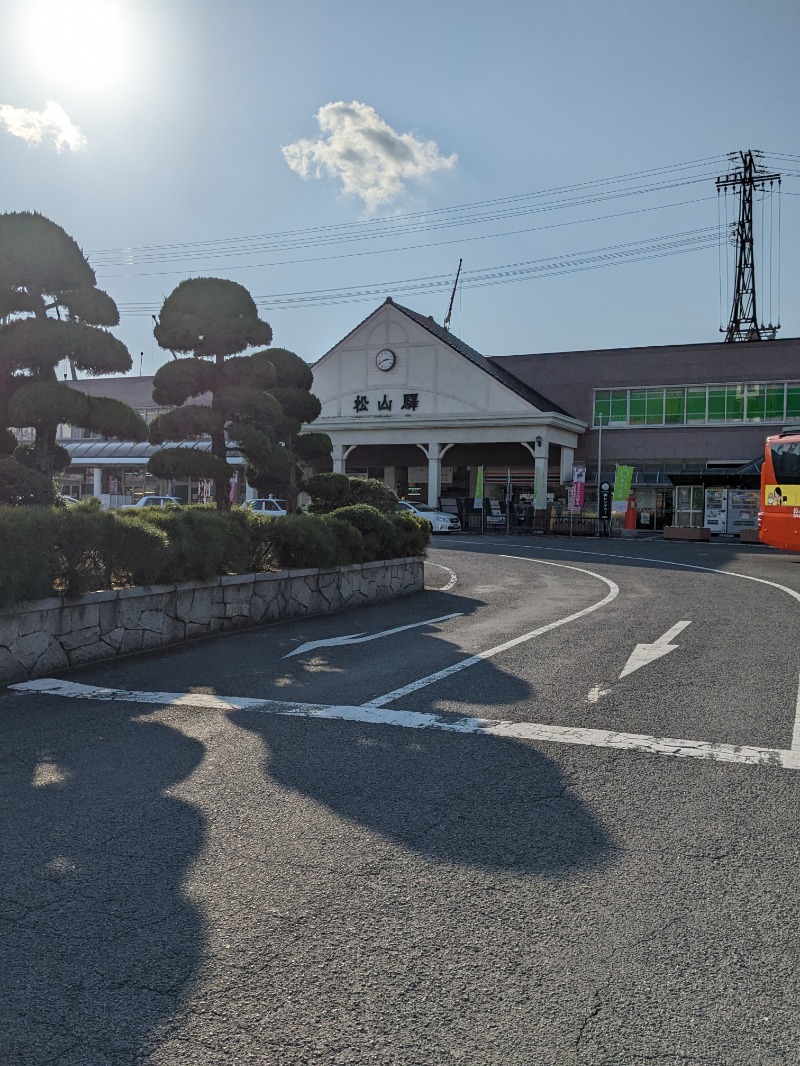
(468, 840)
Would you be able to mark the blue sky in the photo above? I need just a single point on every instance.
(327, 155)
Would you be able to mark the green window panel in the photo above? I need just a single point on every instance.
(675, 407)
(696, 404)
(792, 402)
(638, 407)
(756, 401)
(655, 407)
(602, 408)
(734, 403)
(619, 407)
(775, 403)
(716, 403)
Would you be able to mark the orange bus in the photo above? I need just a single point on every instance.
(779, 517)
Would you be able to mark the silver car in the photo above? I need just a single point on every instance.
(153, 501)
(441, 521)
(267, 505)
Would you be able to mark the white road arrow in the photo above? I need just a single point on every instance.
(359, 638)
(647, 653)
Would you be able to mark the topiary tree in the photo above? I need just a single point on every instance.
(258, 401)
(329, 491)
(282, 470)
(51, 310)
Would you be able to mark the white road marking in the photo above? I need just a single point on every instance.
(390, 697)
(528, 731)
(643, 654)
(708, 570)
(596, 692)
(360, 638)
(450, 583)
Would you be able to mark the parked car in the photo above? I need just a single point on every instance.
(153, 501)
(267, 505)
(441, 521)
(66, 501)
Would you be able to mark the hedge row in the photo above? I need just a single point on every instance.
(65, 552)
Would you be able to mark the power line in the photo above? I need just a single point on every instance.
(464, 215)
(636, 251)
(430, 244)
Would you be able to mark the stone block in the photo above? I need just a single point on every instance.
(52, 658)
(92, 653)
(29, 649)
(152, 620)
(201, 606)
(114, 637)
(11, 669)
(131, 641)
(81, 638)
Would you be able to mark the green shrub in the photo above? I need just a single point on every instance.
(28, 557)
(327, 492)
(349, 540)
(82, 540)
(137, 552)
(21, 486)
(373, 492)
(200, 542)
(412, 533)
(300, 541)
(376, 529)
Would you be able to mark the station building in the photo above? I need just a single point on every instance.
(406, 401)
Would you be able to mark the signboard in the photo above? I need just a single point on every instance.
(716, 517)
(578, 485)
(419, 474)
(604, 510)
(622, 483)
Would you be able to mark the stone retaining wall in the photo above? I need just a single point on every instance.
(40, 638)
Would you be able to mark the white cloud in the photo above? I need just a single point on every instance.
(372, 161)
(52, 124)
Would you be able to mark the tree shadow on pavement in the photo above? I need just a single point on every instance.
(98, 941)
(473, 800)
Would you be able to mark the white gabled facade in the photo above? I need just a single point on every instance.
(435, 393)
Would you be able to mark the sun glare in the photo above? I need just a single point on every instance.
(79, 43)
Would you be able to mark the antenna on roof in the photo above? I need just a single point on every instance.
(452, 296)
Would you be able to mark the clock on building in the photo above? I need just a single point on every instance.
(385, 359)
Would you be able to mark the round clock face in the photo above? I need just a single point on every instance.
(385, 359)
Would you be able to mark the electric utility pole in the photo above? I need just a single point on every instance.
(747, 175)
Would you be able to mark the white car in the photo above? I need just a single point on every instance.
(441, 521)
(266, 506)
(153, 501)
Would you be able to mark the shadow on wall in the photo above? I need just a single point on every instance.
(99, 944)
(472, 800)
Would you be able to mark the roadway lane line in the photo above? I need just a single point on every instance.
(795, 747)
(450, 583)
(398, 693)
(368, 715)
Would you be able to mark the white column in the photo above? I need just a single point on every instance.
(540, 469)
(338, 458)
(97, 481)
(567, 459)
(434, 475)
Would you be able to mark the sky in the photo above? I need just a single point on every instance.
(328, 155)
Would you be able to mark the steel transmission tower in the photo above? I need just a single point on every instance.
(746, 176)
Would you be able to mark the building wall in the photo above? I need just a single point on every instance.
(570, 378)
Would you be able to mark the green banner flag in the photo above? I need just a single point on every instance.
(622, 483)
